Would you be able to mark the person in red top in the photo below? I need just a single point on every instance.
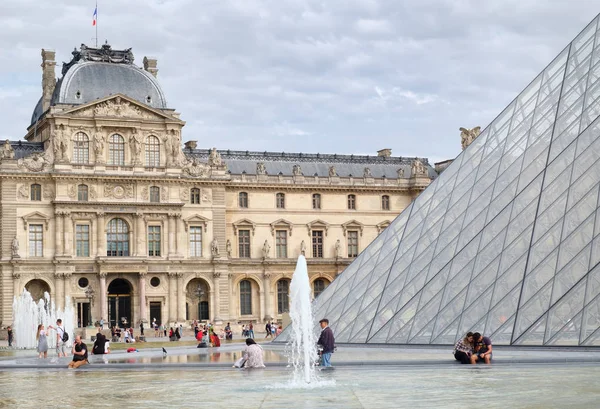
(214, 339)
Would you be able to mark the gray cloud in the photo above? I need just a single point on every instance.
(346, 76)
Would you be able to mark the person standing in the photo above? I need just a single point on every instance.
(228, 333)
(61, 348)
(327, 341)
(268, 330)
(42, 339)
(10, 336)
(80, 354)
(251, 330)
(101, 323)
(141, 328)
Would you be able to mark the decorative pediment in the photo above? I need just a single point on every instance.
(118, 106)
(196, 220)
(317, 225)
(35, 217)
(244, 224)
(353, 225)
(382, 226)
(281, 224)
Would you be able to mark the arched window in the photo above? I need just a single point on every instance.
(81, 148)
(318, 286)
(316, 201)
(117, 238)
(152, 152)
(280, 200)
(154, 194)
(116, 150)
(283, 297)
(351, 202)
(82, 193)
(243, 200)
(36, 192)
(385, 202)
(245, 297)
(195, 196)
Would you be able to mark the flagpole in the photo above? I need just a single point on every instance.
(96, 23)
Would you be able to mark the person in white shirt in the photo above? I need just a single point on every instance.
(61, 348)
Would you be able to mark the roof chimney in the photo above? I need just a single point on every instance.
(150, 65)
(386, 153)
(48, 77)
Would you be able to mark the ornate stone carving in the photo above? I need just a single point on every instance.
(214, 247)
(164, 194)
(228, 248)
(14, 248)
(7, 151)
(60, 145)
(195, 168)
(93, 193)
(217, 274)
(266, 249)
(48, 192)
(135, 142)
(297, 170)
(214, 158)
(206, 195)
(467, 136)
(184, 194)
(23, 192)
(16, 275)
(367, 173)
(145, 194)
(117, 107)
(261, 168)
(338, 249)
(102, 54)
(303, 248)
(124, 191)
(332, 171)
(102, 274)
(418, 169)
(173, 148)
(400, 173)
(72, 191)
(37, 162)
(99, 141)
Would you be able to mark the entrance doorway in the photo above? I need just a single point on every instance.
(119, 303)
(83, 314)
(155, 312)
(197, 299)
(203, 310)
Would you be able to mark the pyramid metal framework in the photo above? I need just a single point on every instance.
(506, 241)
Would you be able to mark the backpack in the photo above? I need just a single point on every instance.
(65, 336)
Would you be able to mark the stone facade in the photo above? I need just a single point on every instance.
(101, 203)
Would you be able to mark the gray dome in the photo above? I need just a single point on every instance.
(87, 81)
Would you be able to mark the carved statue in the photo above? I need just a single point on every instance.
(36, 162)
(7, 151)
(467, 136)
(99, 141)
(60, 145)
(266, 249)
(173, 148)
(214, 247)
(195, 168)
(214, 158)
(338, 249)
(367, 173)
(261, 169)
(332, 171)
(136, 146)
(228, 248)
(303, 248)
(14, 247)
(418, 169)
(297, 170)
(23, 192)
(400, 172)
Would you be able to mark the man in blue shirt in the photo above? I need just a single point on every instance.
(483, 349)
(327, 341)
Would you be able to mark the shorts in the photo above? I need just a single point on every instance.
(480, 359)
(77, 364)
(61, 348)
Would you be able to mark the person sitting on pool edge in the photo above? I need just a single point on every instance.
(463, 350)
(80, 354)
(482, 348)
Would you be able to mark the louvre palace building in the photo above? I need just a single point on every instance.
(103, 205)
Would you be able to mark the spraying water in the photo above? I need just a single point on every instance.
(303, 340)
(28, 314)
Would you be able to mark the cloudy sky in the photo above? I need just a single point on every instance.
(329, 76)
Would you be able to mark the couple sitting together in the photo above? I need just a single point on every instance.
(473, 348)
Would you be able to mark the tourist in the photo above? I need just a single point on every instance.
(482, 348)
(99, 347)
(279, 329)
(155, 326)
(244, 332)
(80, 354)
(273, 329)
(61, 348)
(180, 330)
(42, 340)
(253, 353)
(10, 336)
(177, 334)
(327, 341)
(141, 328)
(268, 330)
(101, 323)
(171, 334)
(463, 350)
(251, 330)
(165, 330)
(214, 339)
(228, 332)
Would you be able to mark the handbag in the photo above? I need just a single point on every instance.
(239, 363)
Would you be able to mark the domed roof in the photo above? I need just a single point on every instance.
(98, 73)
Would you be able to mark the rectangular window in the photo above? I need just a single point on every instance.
(195, 241)
(317, 243)
(352, 243)
(154, 241)
(281, 243)
(195, 196)
(244, 243)
(82, 240)
(36, 244)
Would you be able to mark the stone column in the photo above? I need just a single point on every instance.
(59, 298)
(68, 233)
(58, 242)
(67, 286)
(262, 306)
(268, 312)
(141, 235)
(180, 298)
(179, 234)
(103, 298)
(143, 296)
(172, 297)
(93, 245)
(100, 235)
(16, 284)
(172, 248)
(216, 308)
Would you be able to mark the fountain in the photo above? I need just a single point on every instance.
(303, 354)
(28, 314)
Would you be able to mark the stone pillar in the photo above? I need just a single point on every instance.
(172, 249)
(16, 284)
(262, 305)
(143, 296)
(58, 243)
(141, 235)
(68, 232)
(59, 285)
(100, 235)
(268, 312)
(216, 308)
(180, 298)
(67, 286)
(172, 297)
(179, 235)
(103, 298)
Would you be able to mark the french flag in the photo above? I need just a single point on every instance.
(95, 16)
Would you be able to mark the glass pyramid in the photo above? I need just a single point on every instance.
(506, 241)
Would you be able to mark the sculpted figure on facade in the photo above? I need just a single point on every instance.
(99, 141)
(400, 172)
(136, 147)
(338, 249)
(467, 136)
(266, 249)
(14, 247)
(332, 171)
(303, 248)
(214, 158)
(367, 173)
(228, 248)
(418, 169)
(195, 168)
(23, 192)
(261, 169)
(7, 151)
(297, 170)
(60, 145)
(206, 195)
(173, 148)
(214, 247)
(36, 162)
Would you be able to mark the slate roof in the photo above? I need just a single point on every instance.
(23, 148)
